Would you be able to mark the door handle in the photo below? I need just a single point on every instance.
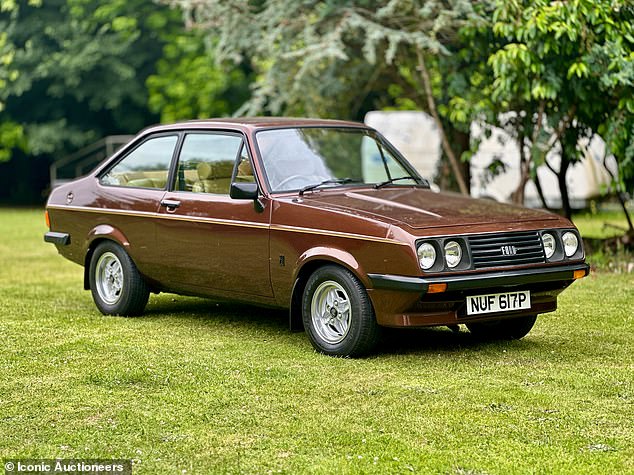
(170, 204)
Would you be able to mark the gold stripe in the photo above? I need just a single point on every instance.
(295, 229)
(150, 214)
(227, 222)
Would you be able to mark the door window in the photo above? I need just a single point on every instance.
(147, 166)
(206, 163)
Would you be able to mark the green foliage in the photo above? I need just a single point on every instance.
(11, 136)
(189, 84)
(576, 57)
(73, 70)
(325, 58)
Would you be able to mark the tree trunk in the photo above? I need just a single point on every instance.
(461, 143)
(561, 180)
(455, 165)
(518, 195)
(540, 190)
(620, 195)
(622, 199)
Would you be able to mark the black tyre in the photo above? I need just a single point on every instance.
(337, 313)
(116, 285)
(508, 329)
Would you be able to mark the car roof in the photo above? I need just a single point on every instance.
(253, 123)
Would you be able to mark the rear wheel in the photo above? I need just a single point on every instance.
(116, 285)
(507, 329)
(337, 313)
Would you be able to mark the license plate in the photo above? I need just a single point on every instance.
(505, 302)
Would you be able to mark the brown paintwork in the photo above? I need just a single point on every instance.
(212, 245)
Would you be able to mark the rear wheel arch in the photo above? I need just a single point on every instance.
(99, 234)
(116, 285)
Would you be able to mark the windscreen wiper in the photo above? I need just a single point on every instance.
(331, 181)
(392, 180)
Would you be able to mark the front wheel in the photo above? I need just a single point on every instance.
(337, 313)
(115, 283)
(507, 329)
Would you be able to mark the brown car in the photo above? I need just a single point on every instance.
(324, 218)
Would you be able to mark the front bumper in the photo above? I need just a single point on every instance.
(508, 278)
(401, 301)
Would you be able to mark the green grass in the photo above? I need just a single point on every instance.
(202, 387)
(602, 224)
(596, 227)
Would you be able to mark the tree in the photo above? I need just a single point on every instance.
(72, 71)
(189, 84)
(78, 68)
(11, 133)
(325, 58)
(550, 67)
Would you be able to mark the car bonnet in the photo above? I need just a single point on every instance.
(421, 208)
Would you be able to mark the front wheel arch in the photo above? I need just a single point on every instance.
(307, 269)
(338, 314)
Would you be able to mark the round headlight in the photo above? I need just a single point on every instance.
(426, 255)
(453, 254)
(571, 243)
(549, 244)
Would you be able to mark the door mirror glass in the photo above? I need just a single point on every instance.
(244, 191)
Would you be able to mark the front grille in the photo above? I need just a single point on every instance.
(487, 250)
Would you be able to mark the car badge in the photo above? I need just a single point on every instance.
(508, 250)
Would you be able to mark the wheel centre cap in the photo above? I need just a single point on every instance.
(333, 311)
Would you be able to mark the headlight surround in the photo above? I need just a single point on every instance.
(453, 254)
(550, 244)
(571, 243)
(426, 255)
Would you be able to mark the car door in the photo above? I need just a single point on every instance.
(130, 192)
(211, 242)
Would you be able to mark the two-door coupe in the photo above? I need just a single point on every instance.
(324, 218)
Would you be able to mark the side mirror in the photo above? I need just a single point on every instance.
(244, 191)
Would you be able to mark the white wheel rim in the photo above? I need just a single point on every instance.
(330, 312)
(109, 278)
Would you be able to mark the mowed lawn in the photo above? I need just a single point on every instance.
(196, 386)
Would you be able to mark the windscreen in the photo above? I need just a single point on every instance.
(297, 158)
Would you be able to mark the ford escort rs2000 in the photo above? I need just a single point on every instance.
(323, 218)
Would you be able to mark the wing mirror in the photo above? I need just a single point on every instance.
(244, 191)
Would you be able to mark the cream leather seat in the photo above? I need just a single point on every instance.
(213, 177)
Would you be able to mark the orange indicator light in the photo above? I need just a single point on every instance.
(436, 288)
(48, 220)
(578, 274)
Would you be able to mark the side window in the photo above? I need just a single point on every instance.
(244, 170)
(147, 166)
(206, 162)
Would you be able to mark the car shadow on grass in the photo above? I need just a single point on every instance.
(443, 340)
(218, 312)
(275, 321)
